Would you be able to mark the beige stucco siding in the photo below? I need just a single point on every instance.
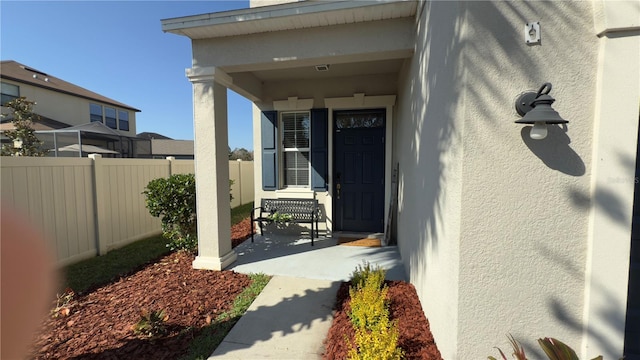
(427, 146)
(525, 202)
(500, 215)
(65, 108)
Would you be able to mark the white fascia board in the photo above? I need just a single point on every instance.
(236, 17)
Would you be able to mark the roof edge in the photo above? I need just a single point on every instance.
(175, 25)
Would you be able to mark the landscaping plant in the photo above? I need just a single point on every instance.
(279, 218)
(376, 336)
(173, 199)
(553, 348)
(151, 323)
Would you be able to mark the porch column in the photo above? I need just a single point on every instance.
(212, 168)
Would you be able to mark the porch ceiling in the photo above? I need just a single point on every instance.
(335, 70)
(291, 16)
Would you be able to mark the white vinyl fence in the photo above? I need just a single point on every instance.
(88, 206)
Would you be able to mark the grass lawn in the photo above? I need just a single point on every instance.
(240, 212)
(204, 344)
(91, 273)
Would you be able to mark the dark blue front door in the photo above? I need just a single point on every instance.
(632, 329)
(359, 170)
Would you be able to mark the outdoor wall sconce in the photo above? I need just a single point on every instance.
(535, 108)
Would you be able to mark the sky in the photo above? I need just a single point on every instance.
(117, 49)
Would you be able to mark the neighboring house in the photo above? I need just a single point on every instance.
(499, 233)
(160, 147)
(61, 104)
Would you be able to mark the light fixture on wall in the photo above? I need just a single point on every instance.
(535, 108)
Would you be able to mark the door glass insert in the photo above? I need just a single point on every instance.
(360, 119)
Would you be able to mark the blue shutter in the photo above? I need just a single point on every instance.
(269, 134)
(319, 149)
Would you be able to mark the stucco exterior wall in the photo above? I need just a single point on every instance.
(68, 109)
(525, 202)
(500, 215)
(427, 146)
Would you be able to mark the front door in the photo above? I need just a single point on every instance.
(358, 185)
(632, 328)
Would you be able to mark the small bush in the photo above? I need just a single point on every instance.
(553, 348)
(173, 199)
(368, 304)
(376, 335)
(151, 323)
(366, 271)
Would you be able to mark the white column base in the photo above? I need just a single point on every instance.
(214, 263)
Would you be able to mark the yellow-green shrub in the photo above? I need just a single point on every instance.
(376, 336)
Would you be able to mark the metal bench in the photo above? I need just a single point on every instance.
(300, 211)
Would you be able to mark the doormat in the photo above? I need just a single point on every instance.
(346, 241)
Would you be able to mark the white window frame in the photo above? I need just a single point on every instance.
(283, 151)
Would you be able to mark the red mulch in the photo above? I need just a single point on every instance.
(415, 337)
(98, 324)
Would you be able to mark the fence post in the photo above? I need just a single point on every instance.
(171, 159)
(99, 198)
(239, 180)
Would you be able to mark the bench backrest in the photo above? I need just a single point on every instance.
(299, 209)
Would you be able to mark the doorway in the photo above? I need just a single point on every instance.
(359, 169)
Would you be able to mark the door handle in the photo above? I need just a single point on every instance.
(338, 186)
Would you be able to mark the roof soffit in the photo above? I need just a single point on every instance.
(291, 16)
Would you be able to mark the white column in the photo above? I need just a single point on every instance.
(613, 179)
(212, 168)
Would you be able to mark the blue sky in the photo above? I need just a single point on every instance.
(118, 49)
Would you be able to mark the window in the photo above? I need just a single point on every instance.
(295, 148)
(123, 118)
(95, 112)
(9, 92)
(110, 118)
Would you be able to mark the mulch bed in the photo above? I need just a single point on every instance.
(415, 336)
(98, 324)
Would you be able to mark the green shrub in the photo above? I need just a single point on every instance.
(553, 348)
(376, 335)
(279, 218)
(173, 199)
(151, 323)
(366, 271)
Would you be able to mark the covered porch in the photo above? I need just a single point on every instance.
(301, 64)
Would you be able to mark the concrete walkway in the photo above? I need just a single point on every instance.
(292, 315)
(288, 320)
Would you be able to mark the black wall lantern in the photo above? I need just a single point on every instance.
(535, 108)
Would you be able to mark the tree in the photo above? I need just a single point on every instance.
(242, 154)
(23, 139)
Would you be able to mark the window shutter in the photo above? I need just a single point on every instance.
(319, 151)
(269, 133)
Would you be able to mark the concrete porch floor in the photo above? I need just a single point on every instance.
(293, 255)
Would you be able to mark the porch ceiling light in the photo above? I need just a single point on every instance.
(535, 108)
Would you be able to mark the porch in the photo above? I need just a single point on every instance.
(293, 255)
